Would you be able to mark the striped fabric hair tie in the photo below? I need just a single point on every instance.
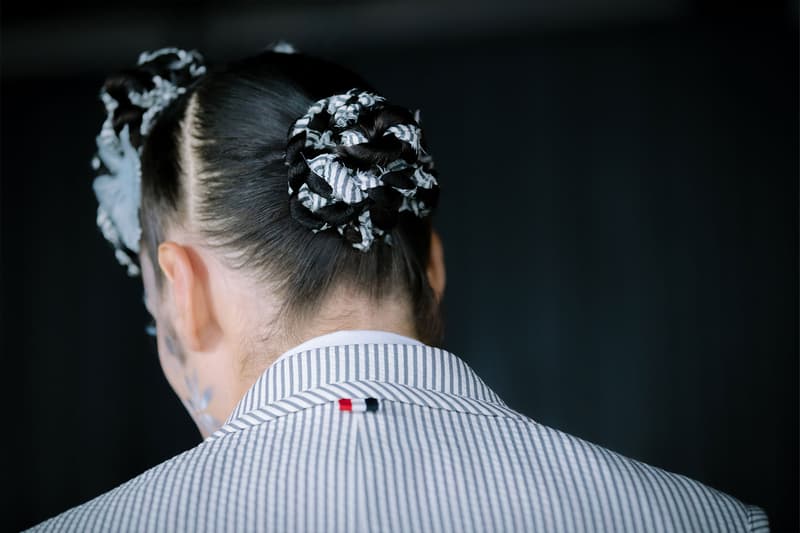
(354, 173)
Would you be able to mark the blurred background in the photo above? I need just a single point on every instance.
(619, 213)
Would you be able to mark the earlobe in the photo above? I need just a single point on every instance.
(188, 294)
(436, 271)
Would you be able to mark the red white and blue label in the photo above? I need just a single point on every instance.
(358, 405)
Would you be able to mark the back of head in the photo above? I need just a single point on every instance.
(293, 168)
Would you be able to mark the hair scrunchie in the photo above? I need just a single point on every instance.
(356, 162)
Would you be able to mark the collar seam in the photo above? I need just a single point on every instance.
(495, 409)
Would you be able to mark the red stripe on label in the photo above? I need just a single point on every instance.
(345, 404)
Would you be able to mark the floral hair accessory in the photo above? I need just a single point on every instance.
(348, 172)
(133, 102)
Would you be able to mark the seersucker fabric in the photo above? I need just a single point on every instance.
(432, 449)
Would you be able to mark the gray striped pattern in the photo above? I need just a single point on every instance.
(348, 185)
(442, 453)
(407, 133)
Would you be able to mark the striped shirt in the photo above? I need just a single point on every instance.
(398, 436)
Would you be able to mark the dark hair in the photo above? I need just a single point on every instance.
(229, 130)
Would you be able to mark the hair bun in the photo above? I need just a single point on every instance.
(133, 100)
(355, 163)
(137, 95)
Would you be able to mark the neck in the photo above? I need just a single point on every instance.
(343, 311)
(391, 316)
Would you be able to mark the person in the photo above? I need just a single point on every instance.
(278, 209)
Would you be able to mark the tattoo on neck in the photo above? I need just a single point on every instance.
(197, 404)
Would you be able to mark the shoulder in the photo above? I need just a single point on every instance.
(555, 481)
(616, 493)
(122, 508)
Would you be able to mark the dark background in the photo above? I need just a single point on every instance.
(619, 213)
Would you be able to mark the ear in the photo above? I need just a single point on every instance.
(188, 288)
(436, 269)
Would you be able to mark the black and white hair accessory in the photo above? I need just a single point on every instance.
(117, 184)
(352, 170)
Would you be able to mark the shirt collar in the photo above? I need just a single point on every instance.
(349, 336)
(363, 355)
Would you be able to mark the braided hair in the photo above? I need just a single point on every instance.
(233, 157)
(355, 163)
